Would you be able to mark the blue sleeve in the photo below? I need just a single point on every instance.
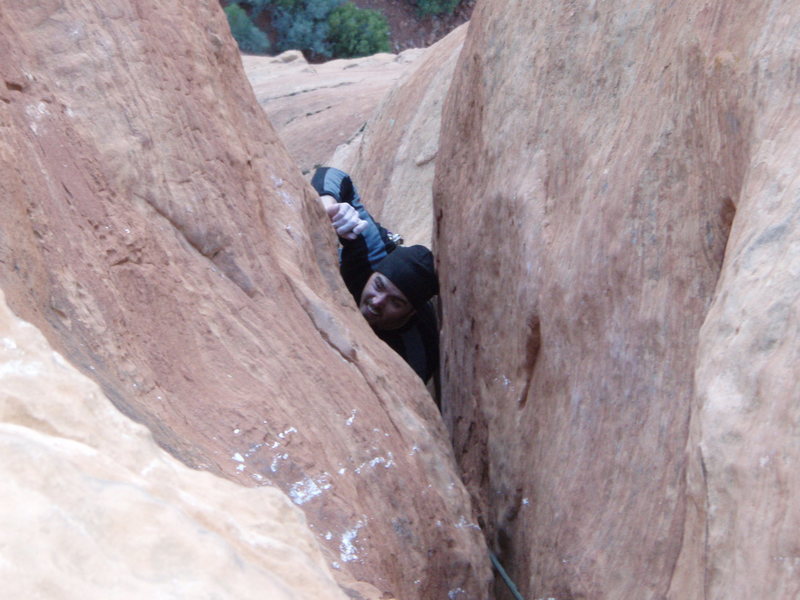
(373, 244)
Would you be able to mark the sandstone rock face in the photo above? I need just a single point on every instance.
(92, 508)
(156, 231)
(316, 108)
(394, 162)
(615, 199)
(375, 117)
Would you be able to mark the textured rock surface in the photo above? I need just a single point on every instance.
(157, 232)
(375, 117)
(316, 108)
(592, 161)
(394, 162)
(92, 508)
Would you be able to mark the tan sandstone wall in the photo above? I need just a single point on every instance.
(375, 117)
(394, 162)
(317, 107)
(156, 231)
(616, 207)
(93, 508)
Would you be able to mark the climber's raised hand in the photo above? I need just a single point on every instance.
(345, 220)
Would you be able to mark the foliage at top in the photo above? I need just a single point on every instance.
(320, 28)
(303, 25)
(256, 6)
(357, 32)
(249, 37)
(436, 7)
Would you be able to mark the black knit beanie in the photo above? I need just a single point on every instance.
(411, 270)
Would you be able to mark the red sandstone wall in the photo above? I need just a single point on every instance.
(156, 231)
(615, 201)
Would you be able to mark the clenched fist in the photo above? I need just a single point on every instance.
(345, 220)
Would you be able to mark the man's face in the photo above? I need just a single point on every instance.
(383, 305)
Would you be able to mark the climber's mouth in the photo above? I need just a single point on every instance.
(371, 313)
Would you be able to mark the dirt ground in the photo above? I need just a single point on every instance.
(408, 31)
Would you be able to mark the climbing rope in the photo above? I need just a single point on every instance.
(511, 586)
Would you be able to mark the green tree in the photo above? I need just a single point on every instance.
(436, 7)
(357, 32)
(303, 25)
(249, 37)
(254, 7)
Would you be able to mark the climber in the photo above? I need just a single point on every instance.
(391, 284)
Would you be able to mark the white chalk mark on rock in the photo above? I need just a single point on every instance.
(283, 434)
(387, 461)
(347, 548)
(274, 466)
(307, 489)
(463, 523)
